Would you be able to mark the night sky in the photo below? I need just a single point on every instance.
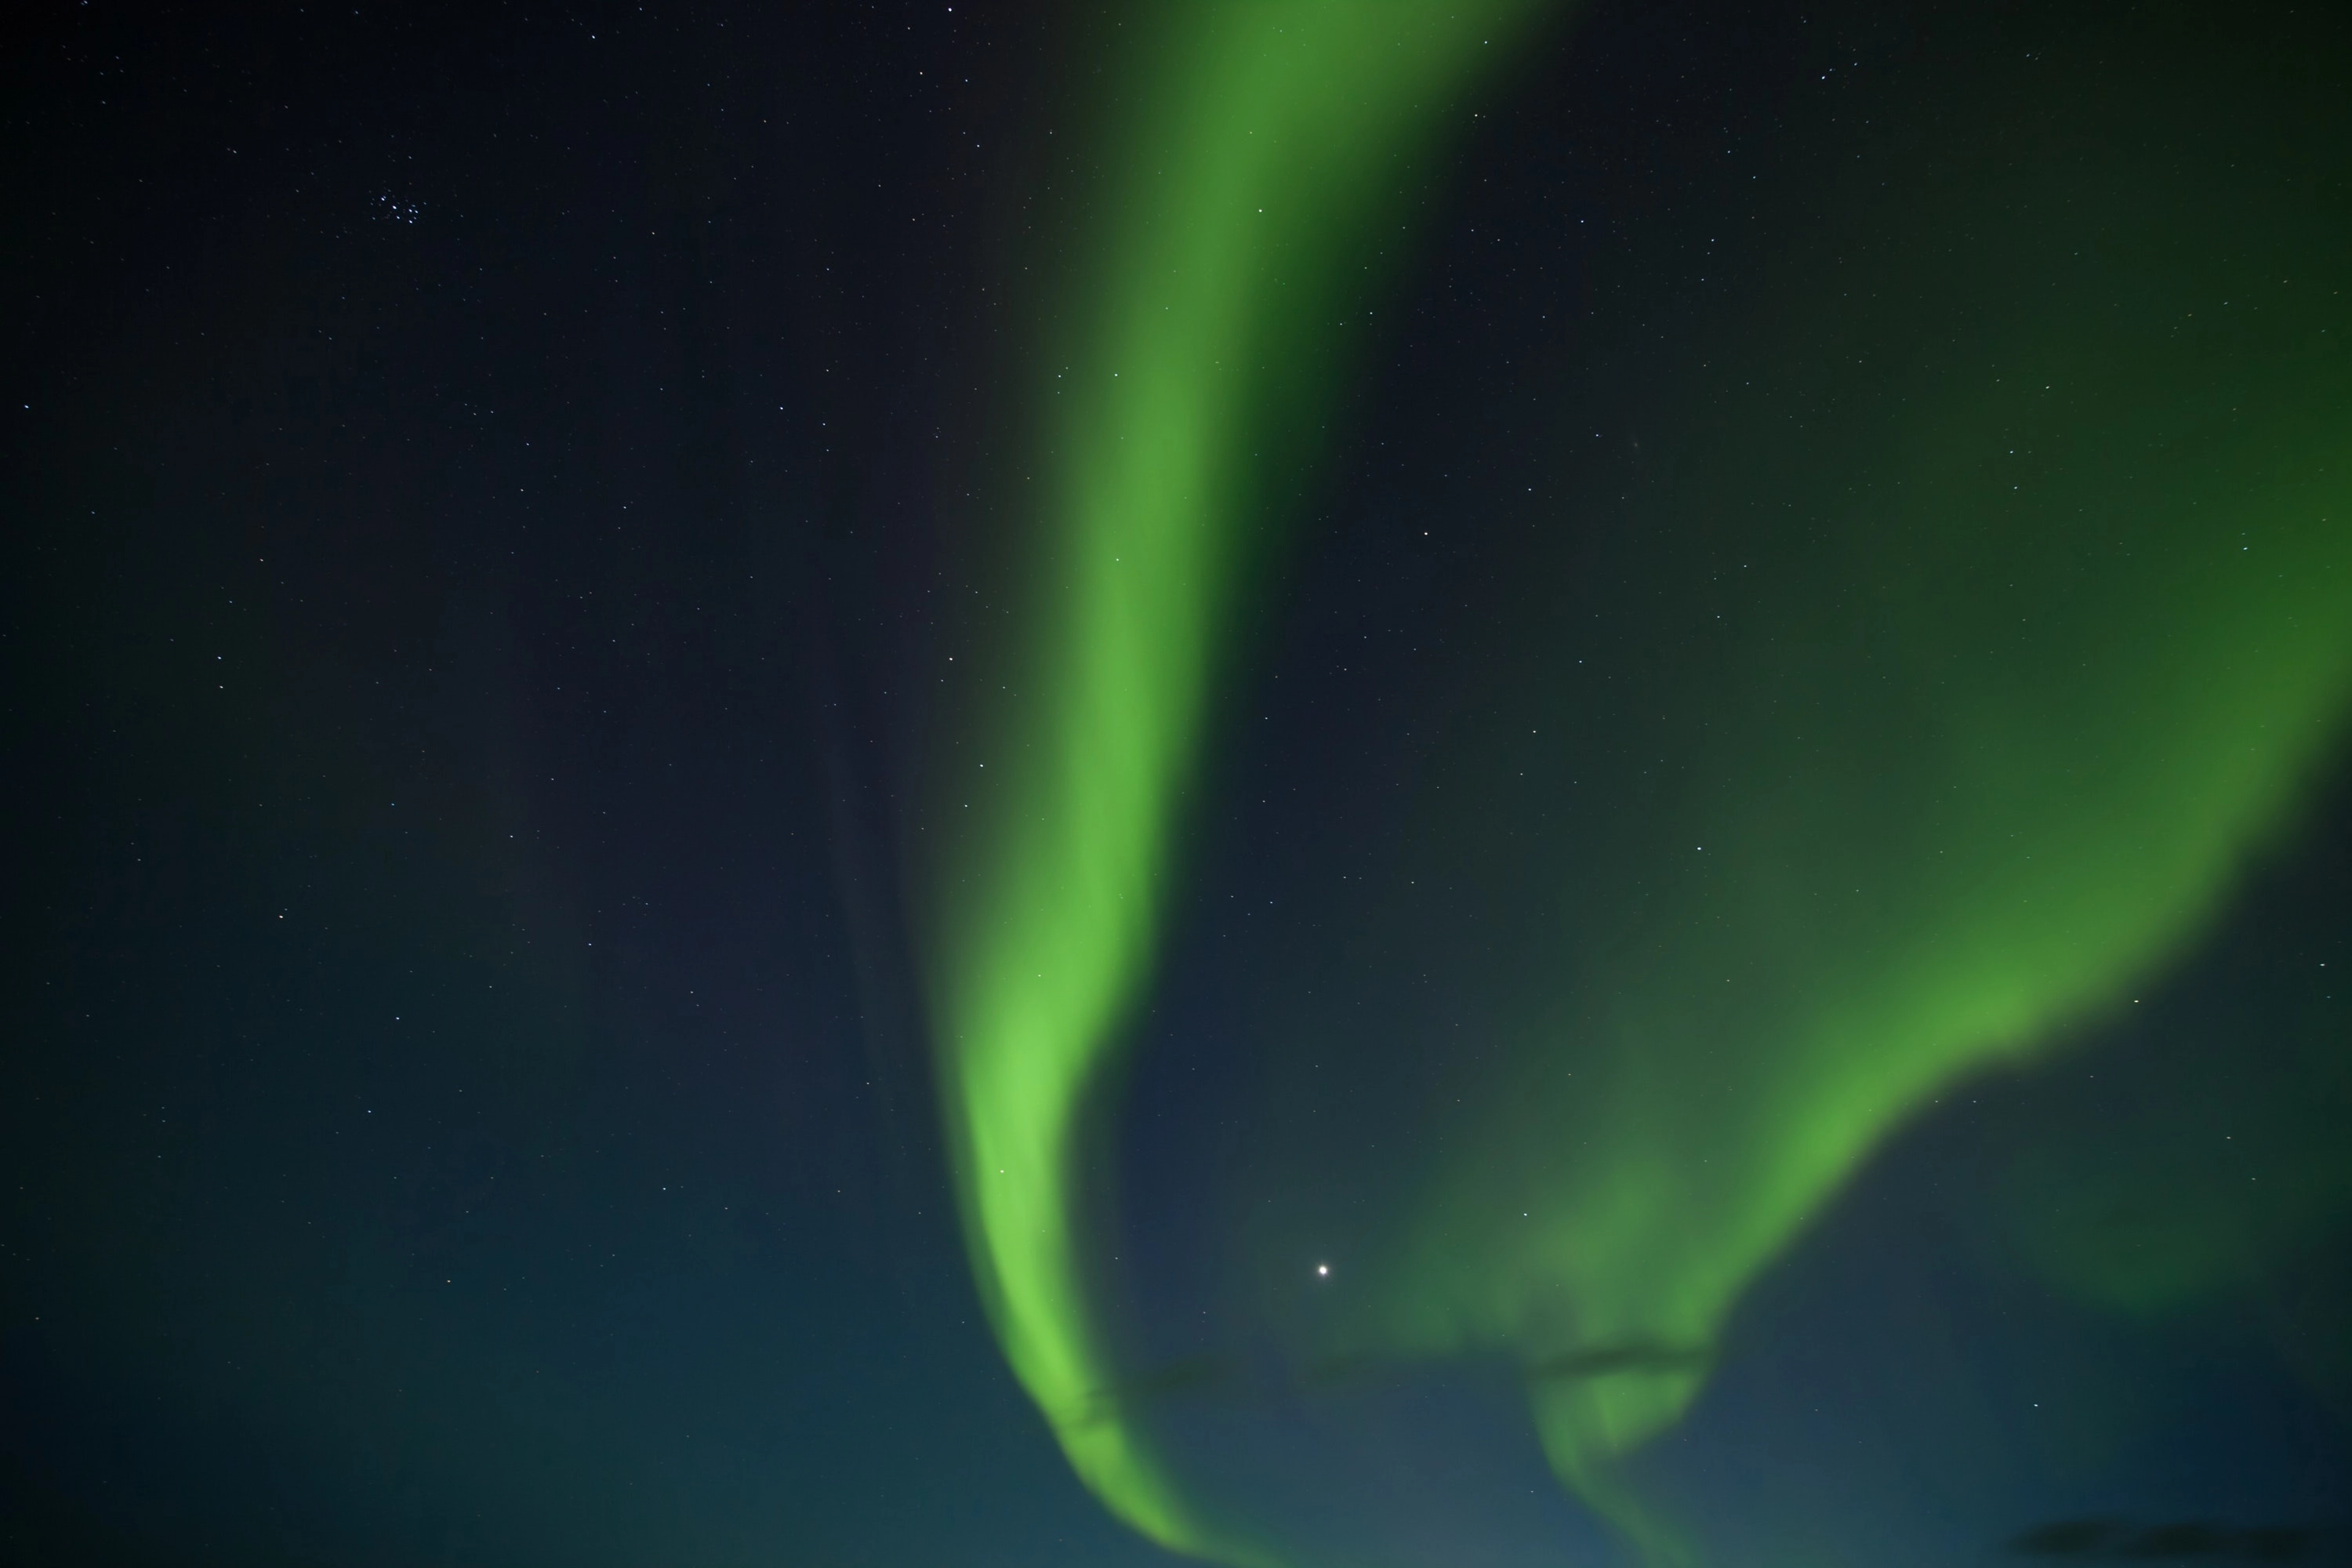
(1321, 783)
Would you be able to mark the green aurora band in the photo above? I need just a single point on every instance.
(1961, 711)
(2056, 699)
(1266, 142)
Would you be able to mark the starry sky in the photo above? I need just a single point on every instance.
(1301, 782)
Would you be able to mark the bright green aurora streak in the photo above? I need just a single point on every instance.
(2067, 625)
(1265, 141)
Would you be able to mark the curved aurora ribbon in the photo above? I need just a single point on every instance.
(1970, 759)
(1265, 138)
(1982, 745)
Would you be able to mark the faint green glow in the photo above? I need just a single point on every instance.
(1957, 721)
(1259, 146)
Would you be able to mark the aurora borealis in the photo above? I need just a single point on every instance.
(1309, 783)
(1258, 163)
(1962, 761)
